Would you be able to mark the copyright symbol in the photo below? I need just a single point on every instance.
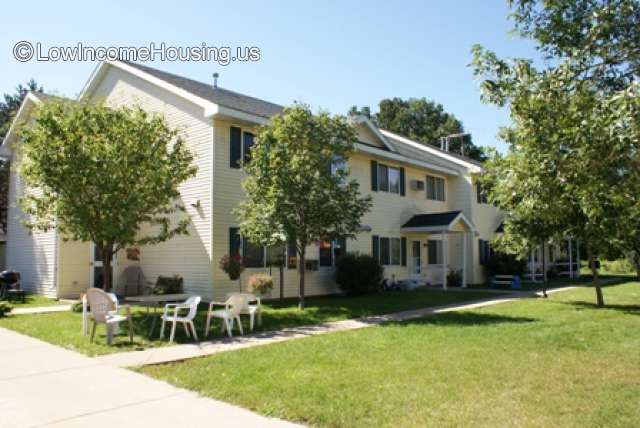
(23, 51)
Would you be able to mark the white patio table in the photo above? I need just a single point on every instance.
(156, 301)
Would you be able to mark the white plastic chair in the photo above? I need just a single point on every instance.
(86, 312)
(105, 311)
(186, 320)
(231, 313)
(253, 310)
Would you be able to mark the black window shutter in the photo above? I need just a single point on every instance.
(234, 241)
(374, 176)
(403, 249)
(375, 247)
(235, 146)
(402, 184)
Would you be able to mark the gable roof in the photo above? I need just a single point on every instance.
(216, 95)
(219, 102)
(401, 142)
(436, 222)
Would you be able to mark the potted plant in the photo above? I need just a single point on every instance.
(260, 283)
(232, 266)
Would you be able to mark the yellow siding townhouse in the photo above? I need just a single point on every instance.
(427, 216)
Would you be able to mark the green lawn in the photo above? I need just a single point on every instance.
(33, 300)
(535, 362)
(63, 328)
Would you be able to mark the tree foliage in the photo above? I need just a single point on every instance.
(100, 175)
(572, 167)
(292, 194)
(421, 120)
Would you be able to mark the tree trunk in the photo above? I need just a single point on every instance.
(636, 260)
(105, 251)
(544, 272)
(596, 278)
(302, 270)
(282, 280)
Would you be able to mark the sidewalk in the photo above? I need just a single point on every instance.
(194, 350)
(42, 385)
(41, 309)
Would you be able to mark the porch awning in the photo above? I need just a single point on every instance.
(437, 222)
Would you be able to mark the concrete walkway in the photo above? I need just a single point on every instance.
(194, 350)
(41, 309)
(42, 385)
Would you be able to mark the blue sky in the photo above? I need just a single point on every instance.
(330, 54)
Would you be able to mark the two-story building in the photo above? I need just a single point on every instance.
(427, 216)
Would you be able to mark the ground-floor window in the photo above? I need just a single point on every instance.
(434, 252)
(390, 251)
(331, 251)
(259, 256)
(484, 249)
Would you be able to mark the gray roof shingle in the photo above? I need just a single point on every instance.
(223, 97)
(433, 219)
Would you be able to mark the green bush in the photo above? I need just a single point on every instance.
(620, 266)
(76, 307)
(505, 264)
(168, 285)
(454, 278)
(358, 274)
(5, 308)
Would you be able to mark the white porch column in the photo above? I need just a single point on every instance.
(578, 257)
(464, 259)
(570, 259)
(444, 259)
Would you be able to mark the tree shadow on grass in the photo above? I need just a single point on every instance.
(627, 309)
(464, 319)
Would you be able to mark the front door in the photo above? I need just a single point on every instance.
(416, 263)
(97, 275)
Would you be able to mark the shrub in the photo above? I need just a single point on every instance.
(168, 285)
(232, 266)
(5, 308)
(505, 264)
(76, 307)
(359, 274)
(454, 278)
(260, 283)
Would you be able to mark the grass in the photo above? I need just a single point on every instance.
(63, 328)
(34, 300)
(535, 363)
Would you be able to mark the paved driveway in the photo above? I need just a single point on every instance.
(44, 385)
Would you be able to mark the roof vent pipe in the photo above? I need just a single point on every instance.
(215, 79)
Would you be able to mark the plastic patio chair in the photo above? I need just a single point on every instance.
(252, 307)
(231, 313)
(86, 312)
(105, 311)
(186, 320)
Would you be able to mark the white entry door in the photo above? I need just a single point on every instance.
(416, 259)
(96, 274)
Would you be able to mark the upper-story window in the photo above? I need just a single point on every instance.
(435, 188)
(385, 178)
(240, 144)
(481, 195)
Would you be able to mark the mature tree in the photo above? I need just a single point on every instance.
(297, 188)
(8, 110)
(422, 120)
(100, 175)
(573, 142)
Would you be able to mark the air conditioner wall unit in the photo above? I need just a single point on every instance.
(417, 185)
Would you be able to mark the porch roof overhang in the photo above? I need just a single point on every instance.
(443, 222)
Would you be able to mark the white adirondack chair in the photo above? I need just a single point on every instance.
(231, 313)
(186, 319)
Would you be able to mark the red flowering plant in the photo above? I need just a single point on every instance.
(232, 265)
